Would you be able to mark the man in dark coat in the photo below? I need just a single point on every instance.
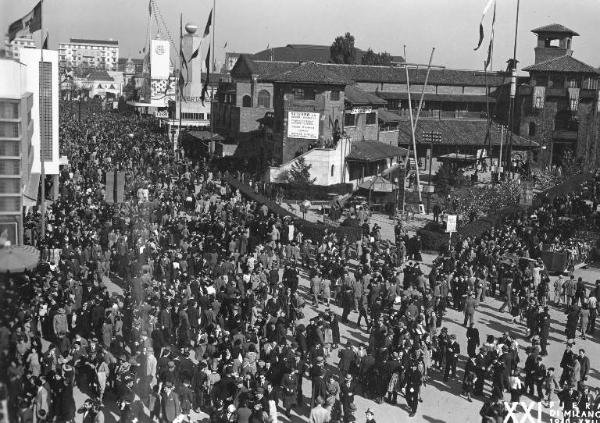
(289, 386)
(472, 340)
(544, 328)
(347, 357)
(413, 386)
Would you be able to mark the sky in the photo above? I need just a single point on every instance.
(248, 26)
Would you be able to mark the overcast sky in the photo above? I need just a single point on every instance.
(451, 26)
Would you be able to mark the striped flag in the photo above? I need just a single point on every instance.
(485, 10)
(31, 22)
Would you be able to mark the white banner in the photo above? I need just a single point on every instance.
(303, 125)
(451, 223)
(159, 59)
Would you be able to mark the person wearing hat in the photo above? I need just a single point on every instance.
(289, 386)
(170, 406)
(369, 416)
(452, 353)
(319, 387)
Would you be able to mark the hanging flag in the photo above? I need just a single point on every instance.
(208, 24)
(150, 8)
(488, 61)
(225, 46)
(181, 83)
(268, 45)
(45, 43)
(205, 87)
(183, 61)
(31, 22)
(195, 53)
(485, 10)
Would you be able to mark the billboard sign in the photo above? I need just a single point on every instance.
(303, 125)
(159, 59)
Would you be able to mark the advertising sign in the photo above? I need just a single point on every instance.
(159, 59)
(303, 125)
(451, 223)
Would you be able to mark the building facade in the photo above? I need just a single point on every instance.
(16, 130)
(18, 43)
(100, 54)
(558, 105)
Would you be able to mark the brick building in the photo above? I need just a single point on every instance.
(557, 106)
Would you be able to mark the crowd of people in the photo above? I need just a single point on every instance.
(212, 315)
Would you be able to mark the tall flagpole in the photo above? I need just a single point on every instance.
(412, 130)
(513, 93)
(42, 159)
(212, 52)
(176, 146)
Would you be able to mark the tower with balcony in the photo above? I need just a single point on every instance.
(558, 107)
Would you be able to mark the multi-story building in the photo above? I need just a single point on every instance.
(558, 105)
(16, 130)
(19, 43)
(43, 82)
(101, 54)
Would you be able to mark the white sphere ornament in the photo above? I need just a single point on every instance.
(191, 28)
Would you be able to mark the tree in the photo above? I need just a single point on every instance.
(299, 173)
(130, 90)
(342, 50)
(380, 59)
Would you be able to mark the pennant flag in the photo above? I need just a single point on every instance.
(225, 46)
(208, 24)
(45, 43)
(268, 45)
(488, 61)
(181, 83)
(183, 61)
(485, 10)
(195, 54)
(31, 22)
(150, 8)
(205, 87)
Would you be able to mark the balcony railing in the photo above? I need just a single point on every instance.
(443, 114)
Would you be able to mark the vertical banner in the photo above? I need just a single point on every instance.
(109, 195)
(120, 187)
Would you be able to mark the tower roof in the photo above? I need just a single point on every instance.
(555, 28)
(562, 64)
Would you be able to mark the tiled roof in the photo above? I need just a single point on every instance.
(457, 98)
(311, 73)
(357, 97)
(100, 75)
(562, 64)
(457, 132)
(373, 151)
(305, 53)
(556, 28)
(83, 41)
(265, 70)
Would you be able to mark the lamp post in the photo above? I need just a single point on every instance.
(431, 137)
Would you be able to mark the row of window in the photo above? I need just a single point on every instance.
(9, 129)
(10, 167)
(350, 119)
(10, 204)
(194, 116)
(264, 99)
(9, 110)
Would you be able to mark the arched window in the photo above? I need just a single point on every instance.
(264, 99)
(247, 101)
(332, 169)
(532, 129)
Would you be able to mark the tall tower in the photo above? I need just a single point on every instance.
(190, 43)
(554, 41)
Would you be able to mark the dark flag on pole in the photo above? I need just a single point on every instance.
(481, 34)
(205, 87)
(195, 54)
(150, 8)
(208, 24)
(183, 61)
(181, 83)
(31, 22)
(45, 44)
(490, 52)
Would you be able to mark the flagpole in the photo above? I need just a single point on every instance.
(513, 93)
(176, 146)
(42, 164)
(212, 88)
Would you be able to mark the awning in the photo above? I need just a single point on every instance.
(19, 258)
(378, 184)
(374, 151)
(388, 117)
